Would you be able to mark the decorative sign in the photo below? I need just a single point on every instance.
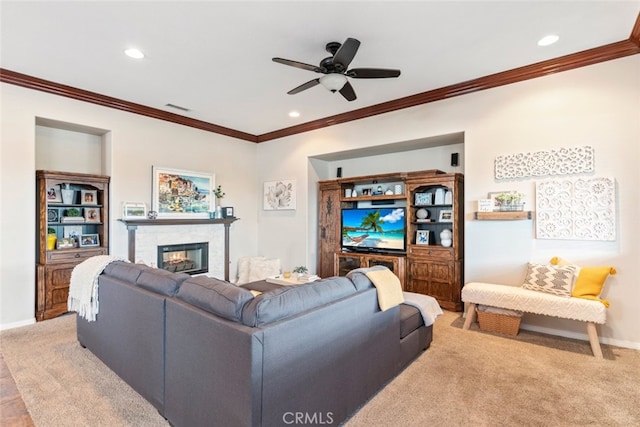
(485, 205)
(565, 161)
(580, 209)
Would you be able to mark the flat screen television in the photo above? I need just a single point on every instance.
(374, 229)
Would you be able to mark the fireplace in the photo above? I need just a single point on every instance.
(190, 258)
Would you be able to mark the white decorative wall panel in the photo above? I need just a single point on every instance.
(565, 161)
(577, 209)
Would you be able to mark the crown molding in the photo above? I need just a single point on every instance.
(540, 69)
(18, 79)
(596, 55)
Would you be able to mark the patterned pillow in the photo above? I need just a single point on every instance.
(552, 279)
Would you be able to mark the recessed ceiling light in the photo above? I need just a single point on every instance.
(294, 114)
(547, 40)
(134, 53)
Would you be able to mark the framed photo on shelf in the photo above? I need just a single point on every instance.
(88, 197)
(134, 210)
(53, 194)
(446, 215)
(227, 212)
(89, 240)
(422, 237)
(424, 199)
(65, 243)
(182, 194)
(91, 214)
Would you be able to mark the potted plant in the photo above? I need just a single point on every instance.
(300, 270)
(510, 201)
(219, 195)
(51, 238)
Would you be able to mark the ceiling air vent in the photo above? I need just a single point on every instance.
(177, 107)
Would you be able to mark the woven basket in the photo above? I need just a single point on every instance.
(500, 323)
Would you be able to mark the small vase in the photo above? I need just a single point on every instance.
(218, 212)
(51, 242)
(67, 196)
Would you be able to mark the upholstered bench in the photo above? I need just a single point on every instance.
(516, 298)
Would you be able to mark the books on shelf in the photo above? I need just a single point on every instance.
(72, 219)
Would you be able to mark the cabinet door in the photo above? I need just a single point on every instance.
(328, 227)
(56, 290)
(345, 263)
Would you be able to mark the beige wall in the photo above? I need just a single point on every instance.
(596, 105)
(133, 145)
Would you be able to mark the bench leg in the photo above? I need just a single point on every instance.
(593, 339)
(470, 315)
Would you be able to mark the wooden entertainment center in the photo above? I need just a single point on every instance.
(434, 202)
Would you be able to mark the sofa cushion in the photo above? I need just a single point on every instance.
(410, 319)
(288, 301)
(161, 281)
(215, 296)
(125, 271)
(261, 285)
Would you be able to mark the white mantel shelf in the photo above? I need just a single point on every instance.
(133, 224)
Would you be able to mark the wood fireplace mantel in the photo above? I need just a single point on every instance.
(133, 224)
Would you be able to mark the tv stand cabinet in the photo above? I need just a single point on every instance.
(430, 266)
(347, 261)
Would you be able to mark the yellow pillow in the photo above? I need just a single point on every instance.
(590, 280)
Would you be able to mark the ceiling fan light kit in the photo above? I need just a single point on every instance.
(335, 70)
(334, 82)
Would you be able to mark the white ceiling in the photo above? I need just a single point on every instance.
(214, 57)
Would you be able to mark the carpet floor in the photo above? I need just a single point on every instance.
(465, 378)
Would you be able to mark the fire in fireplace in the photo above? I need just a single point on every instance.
(190, 258)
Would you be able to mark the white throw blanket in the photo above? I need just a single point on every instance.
(83, 288)
(428, 306)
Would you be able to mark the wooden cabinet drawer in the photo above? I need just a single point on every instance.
(432, 252)
(71, 255)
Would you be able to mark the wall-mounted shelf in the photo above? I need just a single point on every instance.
(503, 216)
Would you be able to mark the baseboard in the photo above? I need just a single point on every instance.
(12, 325)
(579, 336)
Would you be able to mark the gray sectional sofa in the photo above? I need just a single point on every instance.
(206, 352)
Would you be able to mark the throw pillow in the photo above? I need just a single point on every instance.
(243, 269)
(590, 280)
(556, 280)
(261, 268)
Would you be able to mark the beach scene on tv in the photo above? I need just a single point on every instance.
(373, 228)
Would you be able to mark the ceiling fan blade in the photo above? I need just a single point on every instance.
(348, 92)
(300, 65)
(304, 86)
(372, 73)
(345, 54)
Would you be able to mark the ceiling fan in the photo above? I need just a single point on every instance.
(335, 70)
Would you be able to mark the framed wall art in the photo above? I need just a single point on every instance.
(182, 194)
(279, 195)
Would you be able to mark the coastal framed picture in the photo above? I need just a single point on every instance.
(422, 237)
(182, 194)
